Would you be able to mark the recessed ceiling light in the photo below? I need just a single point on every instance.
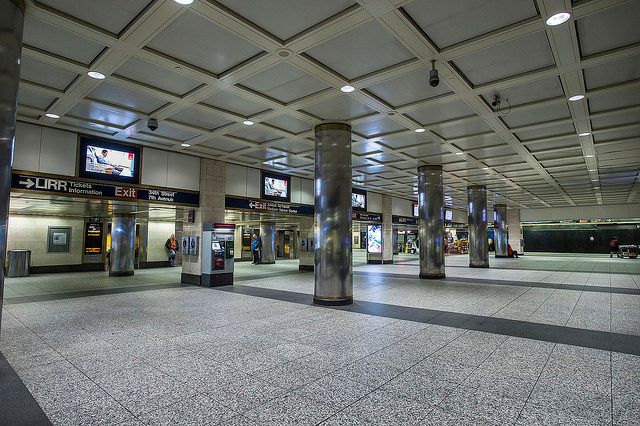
(584, 134)
(97, 75)
(419, 130)
(576, 98)
(596, 187)
(347, 89)
(459, 153)
(185, 2)
(592, 170)
(248, 123)
(186, 145)
(558, 18)
(589, 156)
(52, 115)
(485, 168)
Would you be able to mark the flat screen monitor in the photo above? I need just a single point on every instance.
(415, 209)
(374, 238)
(448, 215)
(358, 199)
(100, 159)
(276, 187)
(215, 245)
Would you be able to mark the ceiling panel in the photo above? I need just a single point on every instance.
(408, 88)
(92, 111)
(546, 88)
(199, 118)
(290, 124)
(56, 40)
(342, 107)
(363, 50)
(561, 130)
(224, 145)
(464, 128)
(610, 28)
(126, 97)
(157, 76)
(235, 104)
(551, 112)
(255, 133)
(441, 112)
(285, 83)
(609, 73)
(189, 38)
(513, 57)
(470, 19)
(378, 126)
(612, 100)
(48, 75)
(34, 98)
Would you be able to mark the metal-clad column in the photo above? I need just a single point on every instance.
(11, 22)
(500, 233)
(478, 243)
(333, 267)
(268, 237)
(123, 242)
(431, 221)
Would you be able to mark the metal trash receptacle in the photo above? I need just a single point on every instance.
(18, 263)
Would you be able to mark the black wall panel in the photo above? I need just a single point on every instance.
(577, 238)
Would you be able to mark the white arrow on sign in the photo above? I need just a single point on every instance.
(28, 183)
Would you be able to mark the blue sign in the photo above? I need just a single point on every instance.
(404, 220)
(267, 206)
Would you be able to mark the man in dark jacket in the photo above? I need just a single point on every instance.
(172, 248)
(614, 247)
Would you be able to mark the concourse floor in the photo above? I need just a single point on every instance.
(544, 339)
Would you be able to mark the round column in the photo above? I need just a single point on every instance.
(431, 221)
(478, 242)
(333, 267)
(123, 239)
(268, 237)
(500, 233)
(11, 23)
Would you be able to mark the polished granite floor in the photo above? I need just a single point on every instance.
(481, 347)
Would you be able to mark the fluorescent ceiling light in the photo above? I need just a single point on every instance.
(459, 153)
(485, 168)
(52, 115)
(558, 18)
(589, 156)
(592, 170)
(347, 89)
(584, 134)
(97, 75)
(186, 145)
(184, 1)
(248, 123)
(419, 130)
(576, 98)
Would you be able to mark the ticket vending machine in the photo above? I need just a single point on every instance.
(217, 254)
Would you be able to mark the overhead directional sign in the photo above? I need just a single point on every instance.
(74, 187)
(268, 206)
(404, 220)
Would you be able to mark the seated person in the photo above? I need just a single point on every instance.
(511, 252)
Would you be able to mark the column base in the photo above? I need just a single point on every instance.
(310, 268)
(333, 302)
(190, 279)
(478, 266)
(120, 273)
(431, 276)
(217, 280)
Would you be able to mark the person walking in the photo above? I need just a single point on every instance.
(614, 247)
(172, 249)
(256, 244)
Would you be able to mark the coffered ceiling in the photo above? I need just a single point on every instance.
(203, 69)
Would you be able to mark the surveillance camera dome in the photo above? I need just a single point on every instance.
(152, 124)
(434, 80)
(494, 103)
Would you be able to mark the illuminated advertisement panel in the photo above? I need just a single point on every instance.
(374, 239)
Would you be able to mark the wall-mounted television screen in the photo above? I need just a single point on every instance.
(448, 215)
(100, 159)
(358, 199)
(415, 209)
(374, 239)
(276, 187)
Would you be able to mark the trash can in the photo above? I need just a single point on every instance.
(18, 263)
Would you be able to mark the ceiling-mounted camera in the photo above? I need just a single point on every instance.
(499, 108)
(434, 80)
(152, 124)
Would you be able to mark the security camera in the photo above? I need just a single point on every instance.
(434, 80)
(152, 124)
(496, 101)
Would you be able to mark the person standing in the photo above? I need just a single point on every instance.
(256, 244)
(614, 247)
(172, 249)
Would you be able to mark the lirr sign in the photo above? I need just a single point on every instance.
(46, 184)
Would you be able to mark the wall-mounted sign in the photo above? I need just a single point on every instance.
(358, 199)
(268, 206)
(59, 240)
(415, 210)
(78, 188)
(374, 239)
(448, 215)
(93, 238)
(404, 220)
(366, 217)
(194, 245)
(304, 244)
(185, 246)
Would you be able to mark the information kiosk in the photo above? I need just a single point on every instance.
(217, 254)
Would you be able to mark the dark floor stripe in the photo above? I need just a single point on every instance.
(269, 275)
(577, 287)
(88, 293)
(623, 343)
(17, 405)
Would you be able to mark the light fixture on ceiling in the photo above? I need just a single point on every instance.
(347, 89)
(248, 123)
(459, 153)
(575, 98)
(485, 168)
(97, 75)
(186, 145)
(558, 18)
(589, 156)
(584, 134)
(419, 130)
(596, 187)
(592, 170)
(52, 115)
(184, 2)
